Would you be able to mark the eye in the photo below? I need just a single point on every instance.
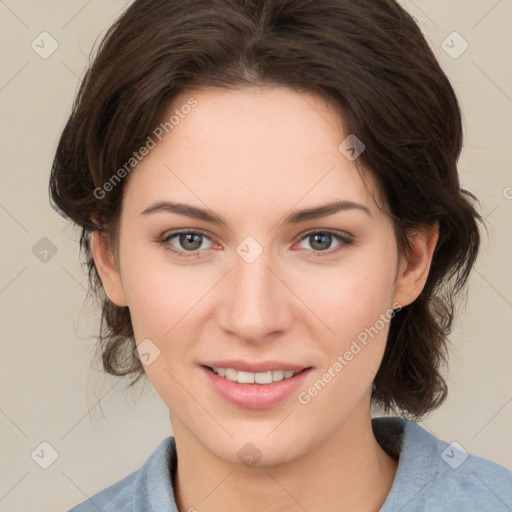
(190, 241)
(321, 240)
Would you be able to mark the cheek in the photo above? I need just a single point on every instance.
(164, 308)
(353, 295)
(354, 304)
(160, 295)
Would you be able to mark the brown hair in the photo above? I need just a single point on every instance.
(366, 57)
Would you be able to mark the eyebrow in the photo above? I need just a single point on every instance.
(295, 217)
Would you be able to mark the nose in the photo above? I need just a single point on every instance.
(255, 304)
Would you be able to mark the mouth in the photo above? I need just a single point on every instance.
(243, 377)
(254, 389)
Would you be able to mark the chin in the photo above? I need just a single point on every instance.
(259, 450)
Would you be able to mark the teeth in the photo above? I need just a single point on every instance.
(254, 378)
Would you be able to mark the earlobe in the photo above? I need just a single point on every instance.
(414, 271)
(107, 269)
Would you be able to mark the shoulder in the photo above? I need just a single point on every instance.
(116, 497)
(461, 478)
(132, 493)
(434, 475)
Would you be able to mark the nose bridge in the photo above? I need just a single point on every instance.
(254, 305)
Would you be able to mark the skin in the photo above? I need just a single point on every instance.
(252, 156)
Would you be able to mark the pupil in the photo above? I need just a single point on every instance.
(189, 237)
(321, 235)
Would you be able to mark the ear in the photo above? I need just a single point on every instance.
(413, 270)
(107, 269)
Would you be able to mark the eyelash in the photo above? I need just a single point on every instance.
(344, 241)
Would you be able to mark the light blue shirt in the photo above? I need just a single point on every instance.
(432, 476)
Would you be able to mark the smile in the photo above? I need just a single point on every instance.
(254, 390)
(253, 378)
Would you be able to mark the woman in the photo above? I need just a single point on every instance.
(272, 218)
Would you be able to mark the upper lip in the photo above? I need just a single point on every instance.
(255, 367)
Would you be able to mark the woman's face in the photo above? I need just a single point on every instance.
(268, 288)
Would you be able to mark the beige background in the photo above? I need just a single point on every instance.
(51, 389)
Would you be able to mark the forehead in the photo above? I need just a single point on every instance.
(256, 147)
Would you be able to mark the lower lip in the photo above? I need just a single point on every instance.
(255, 396)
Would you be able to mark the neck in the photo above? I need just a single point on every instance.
(348, 472)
